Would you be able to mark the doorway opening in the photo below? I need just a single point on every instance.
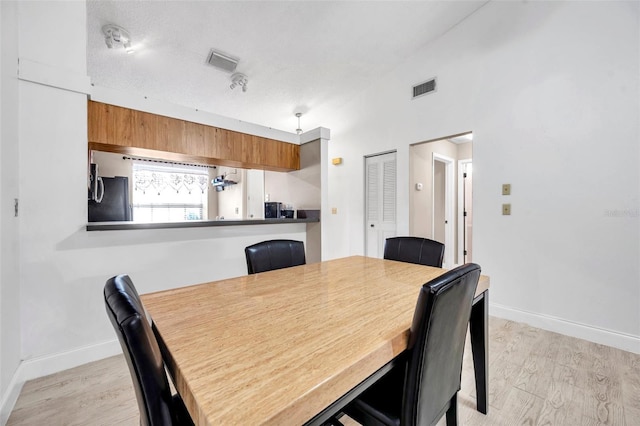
(437, 199)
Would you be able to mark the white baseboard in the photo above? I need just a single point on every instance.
(627, 342)
(49, 364)
(10, 397)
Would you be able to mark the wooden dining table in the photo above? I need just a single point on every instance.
(293, 346)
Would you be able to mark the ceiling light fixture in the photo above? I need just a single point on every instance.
(115, 36)
(298, 130)
(239, 79)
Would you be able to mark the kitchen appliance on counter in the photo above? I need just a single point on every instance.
(108, 197)
(272, 210)
(287, 213)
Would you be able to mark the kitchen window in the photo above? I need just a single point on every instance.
(169, 193)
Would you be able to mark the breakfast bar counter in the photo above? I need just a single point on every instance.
(119, 226)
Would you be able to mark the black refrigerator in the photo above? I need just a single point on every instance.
(114, 205)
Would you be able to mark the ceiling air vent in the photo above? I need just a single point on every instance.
(223, 62)
(424, 88)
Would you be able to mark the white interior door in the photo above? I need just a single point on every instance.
(380, 203)
(442, 205)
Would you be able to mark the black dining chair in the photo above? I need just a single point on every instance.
(422, 251)
(274, 254)
(156, 404)
(425, 384)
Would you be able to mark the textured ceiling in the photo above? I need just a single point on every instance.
(310, 57)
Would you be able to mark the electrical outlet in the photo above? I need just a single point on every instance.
(237, 210)
(506, 189)
(506, 209)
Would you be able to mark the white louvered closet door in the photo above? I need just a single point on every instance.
(380, 203)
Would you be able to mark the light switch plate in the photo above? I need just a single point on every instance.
(334, 210)
(506, 209)
(506, 189)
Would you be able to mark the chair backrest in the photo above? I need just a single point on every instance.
(436, 344)
(274, 254)
(422, 251)
(141, 351)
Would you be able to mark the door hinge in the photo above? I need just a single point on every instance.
(15, 207)
(464, 175)
(465, 252)
(464, 214)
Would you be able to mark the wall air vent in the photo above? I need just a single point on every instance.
(221, 61)
(424, 88)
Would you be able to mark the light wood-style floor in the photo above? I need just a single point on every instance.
(536, 378)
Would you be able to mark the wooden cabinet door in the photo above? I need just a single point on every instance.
(145, 131)
(252, 148)
(171, 135)
(109, 124)
(223, 144)
(194, 142)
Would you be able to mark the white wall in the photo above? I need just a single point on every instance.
(299, 188)
(59, 320)
(64, 267)
(231, 201)
(111, 164)
(421, 171)
(550, 91)
(302, 189)
(9, 238)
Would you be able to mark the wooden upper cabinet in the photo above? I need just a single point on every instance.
(146, 132)
(222, 143)
(252, 149)
(110, 124)
(117, 129)
(275, 153)
(193, 140)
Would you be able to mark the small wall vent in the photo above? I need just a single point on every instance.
(424, 88)
(223, 62)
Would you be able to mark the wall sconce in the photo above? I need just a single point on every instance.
(115, 36)
(239, 79)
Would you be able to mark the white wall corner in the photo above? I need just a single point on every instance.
(49, 364)
(315, 134)
(602, 336)
(48, 75)
(324, 198)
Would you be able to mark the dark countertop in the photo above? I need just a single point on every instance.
(118, 226)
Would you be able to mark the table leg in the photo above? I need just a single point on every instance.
(479, 329)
